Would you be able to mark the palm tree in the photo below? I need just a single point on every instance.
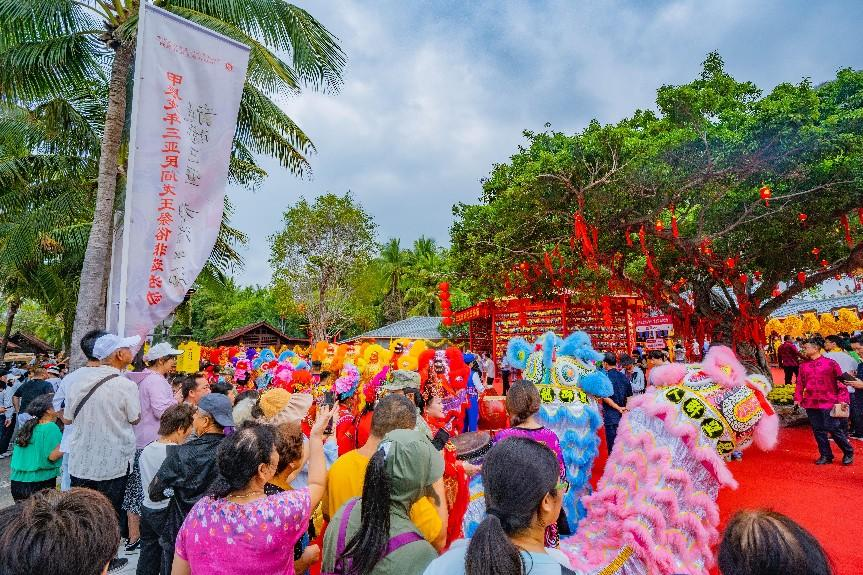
(49, 47)
(395, 262)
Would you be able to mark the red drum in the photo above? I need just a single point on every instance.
(492, 412)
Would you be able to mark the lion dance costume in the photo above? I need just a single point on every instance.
(654, 510)
(568, 384)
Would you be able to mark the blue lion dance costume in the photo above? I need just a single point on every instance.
(569, 385)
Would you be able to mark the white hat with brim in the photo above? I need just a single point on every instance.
(109, 343)
(161, 350)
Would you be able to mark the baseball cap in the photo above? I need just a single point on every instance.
(109, 343)
(401, 379)
(161, 350)
(219, 406)
(53, 370)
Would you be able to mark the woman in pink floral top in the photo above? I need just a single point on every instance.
(241, 531)
(818, 390)
(522, 405)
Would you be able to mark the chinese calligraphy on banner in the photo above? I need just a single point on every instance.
(188, 85)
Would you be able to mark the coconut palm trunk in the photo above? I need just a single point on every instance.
(91, 293)
(14, 305)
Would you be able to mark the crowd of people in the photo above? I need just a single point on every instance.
(200, 475)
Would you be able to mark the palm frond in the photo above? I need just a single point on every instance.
(317, 58)
(36, 71)
(265, 129)
(23, 21)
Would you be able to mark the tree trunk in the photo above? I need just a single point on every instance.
(10, 319)
(91, 293)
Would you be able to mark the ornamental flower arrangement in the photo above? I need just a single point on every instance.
(347, 382)
(782, 395)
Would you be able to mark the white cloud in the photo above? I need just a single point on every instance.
(436, 92)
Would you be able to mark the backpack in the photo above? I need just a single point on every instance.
(395, 543)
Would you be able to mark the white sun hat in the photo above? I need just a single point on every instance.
(161, 350)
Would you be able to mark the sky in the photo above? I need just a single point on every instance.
(437, 92)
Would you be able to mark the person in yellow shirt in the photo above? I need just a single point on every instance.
(346, 476)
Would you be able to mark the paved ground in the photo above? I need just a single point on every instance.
(6, 500)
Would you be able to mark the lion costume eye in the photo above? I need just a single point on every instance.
(533, 371)
(566, 372)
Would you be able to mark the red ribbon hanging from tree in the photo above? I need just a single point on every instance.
(847, 227)
(674, 232)
(629, 236)
(860, 215)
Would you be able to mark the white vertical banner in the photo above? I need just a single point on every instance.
(186, 96)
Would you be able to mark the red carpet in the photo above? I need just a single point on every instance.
(825, 499)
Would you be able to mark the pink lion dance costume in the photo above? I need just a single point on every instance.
(654, 511)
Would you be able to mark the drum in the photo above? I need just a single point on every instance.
(492, 412)
(472, 446)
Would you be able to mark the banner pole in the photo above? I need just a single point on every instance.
(127, 204)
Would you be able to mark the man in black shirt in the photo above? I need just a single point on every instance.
(31, 389)
(615, 406)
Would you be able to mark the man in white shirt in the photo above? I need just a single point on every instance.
(104, 406)
(87, 343)
(489, 371)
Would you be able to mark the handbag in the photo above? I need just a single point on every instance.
(840, 411)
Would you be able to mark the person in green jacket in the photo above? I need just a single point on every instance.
(37, 457)
(374, 535)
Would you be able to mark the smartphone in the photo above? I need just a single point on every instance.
(329, 401)
(846, 377)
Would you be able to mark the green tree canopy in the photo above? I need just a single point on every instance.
(317, 256)
(668, 203)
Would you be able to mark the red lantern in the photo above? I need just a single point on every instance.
(757, 275)
(659, 226)
(837, 277)
(447, 321)
(816, 251)
(801, 277)
(523, 266)
(730, 262)
(824, 263)
(777, 292)
(743, 278)
(765, 192)
(802, 218)
(443, 286)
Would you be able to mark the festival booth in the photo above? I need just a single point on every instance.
(610, 323)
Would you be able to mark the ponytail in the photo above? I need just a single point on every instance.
(490, 551)
(515, 465)
(37, 408)
(26, 432)
(365, 549)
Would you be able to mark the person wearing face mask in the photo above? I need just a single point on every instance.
(239, 529)
(511, 539)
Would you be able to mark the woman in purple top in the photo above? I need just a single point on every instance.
(522, 406)
(156, 396)
(818, 390)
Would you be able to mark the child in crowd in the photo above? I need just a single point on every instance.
(175, 425)
(37, 458)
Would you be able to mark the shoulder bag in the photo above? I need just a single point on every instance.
(91, 392)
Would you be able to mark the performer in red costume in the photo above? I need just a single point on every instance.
(456, 473)
(446, 371)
